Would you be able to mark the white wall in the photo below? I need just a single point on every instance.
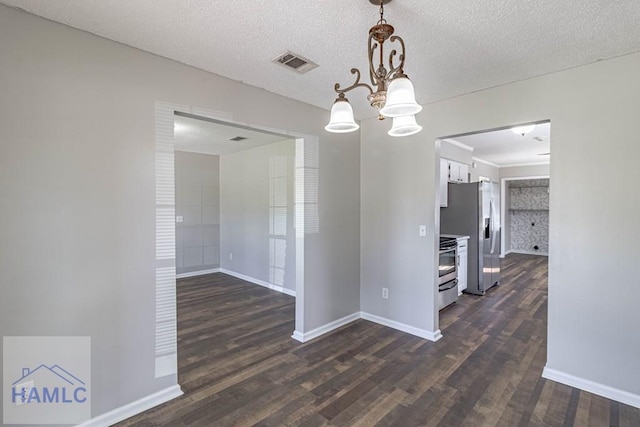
(197, 184)
(592, 332)
(257, 213)
(77, 170)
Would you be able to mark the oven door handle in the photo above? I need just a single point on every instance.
(452, 284)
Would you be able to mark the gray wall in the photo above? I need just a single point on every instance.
(587, 106)
(524, 171)
(483, 169)
(454, 152)
(257, 213)
(77, 163)
(198, 202)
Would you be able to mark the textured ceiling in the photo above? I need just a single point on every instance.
(453, 47)
(505, 148)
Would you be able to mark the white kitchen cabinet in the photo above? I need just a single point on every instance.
(444, 182)
(458, 172)
(463, 259)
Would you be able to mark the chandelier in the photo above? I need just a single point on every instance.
(393, 97)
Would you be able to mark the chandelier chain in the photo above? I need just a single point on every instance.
(391, 93)
(382, 20)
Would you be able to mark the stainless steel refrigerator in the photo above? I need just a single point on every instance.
(474, 210)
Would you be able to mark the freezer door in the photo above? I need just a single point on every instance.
(495, 233)
(490, 237)
(484, 237)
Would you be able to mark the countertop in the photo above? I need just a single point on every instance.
(454, 236)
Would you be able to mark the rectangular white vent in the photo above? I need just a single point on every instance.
(295, 62)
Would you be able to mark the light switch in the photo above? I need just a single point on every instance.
(180, 218)
(423, 231)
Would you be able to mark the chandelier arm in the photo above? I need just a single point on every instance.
(373, 75)
(399, 70)
(354, 85)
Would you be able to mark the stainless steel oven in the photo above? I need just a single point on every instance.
(447, 272)
(447, 260)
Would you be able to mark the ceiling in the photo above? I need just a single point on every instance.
(453, 47)
(206, 137)
(504, 148)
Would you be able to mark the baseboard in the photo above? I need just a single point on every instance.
(297, 335)
(315, 333)
(197, 273)
(515, 251)
(134, 408)
(422, 333)
(259, 282)
(592, 387)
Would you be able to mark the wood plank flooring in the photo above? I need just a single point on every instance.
(238, 365)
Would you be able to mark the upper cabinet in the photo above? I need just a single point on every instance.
(458, 172)
(451, 171)
(444, 182)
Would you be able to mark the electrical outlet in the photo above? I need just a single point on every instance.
(180, 218)
(385, 293)
(230, 255)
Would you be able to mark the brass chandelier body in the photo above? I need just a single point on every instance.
(380, 76)
(391, 92)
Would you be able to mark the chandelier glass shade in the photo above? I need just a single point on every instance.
(404, 126)
(401, 99)
(342, 117)
(391, 92)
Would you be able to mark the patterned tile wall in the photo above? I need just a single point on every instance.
(529, 215)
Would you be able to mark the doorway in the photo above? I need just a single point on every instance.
(516, 161)
(234, 202)
(166, 315)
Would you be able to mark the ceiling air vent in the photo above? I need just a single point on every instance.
(237, 138)
(295, 62)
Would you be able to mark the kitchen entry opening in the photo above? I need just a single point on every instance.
(493, 194)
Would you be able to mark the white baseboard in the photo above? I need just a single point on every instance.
(259, 282)
(315, 333)
(134, 408)
(592, 387)
(422, 333)
(297, 335)
(197, 273)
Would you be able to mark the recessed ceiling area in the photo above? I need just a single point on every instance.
(206, 137)
(453, 47)
(504, 148)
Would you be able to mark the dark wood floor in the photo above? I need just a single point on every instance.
(239, 366)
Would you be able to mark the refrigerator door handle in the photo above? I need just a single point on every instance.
(493, 226)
